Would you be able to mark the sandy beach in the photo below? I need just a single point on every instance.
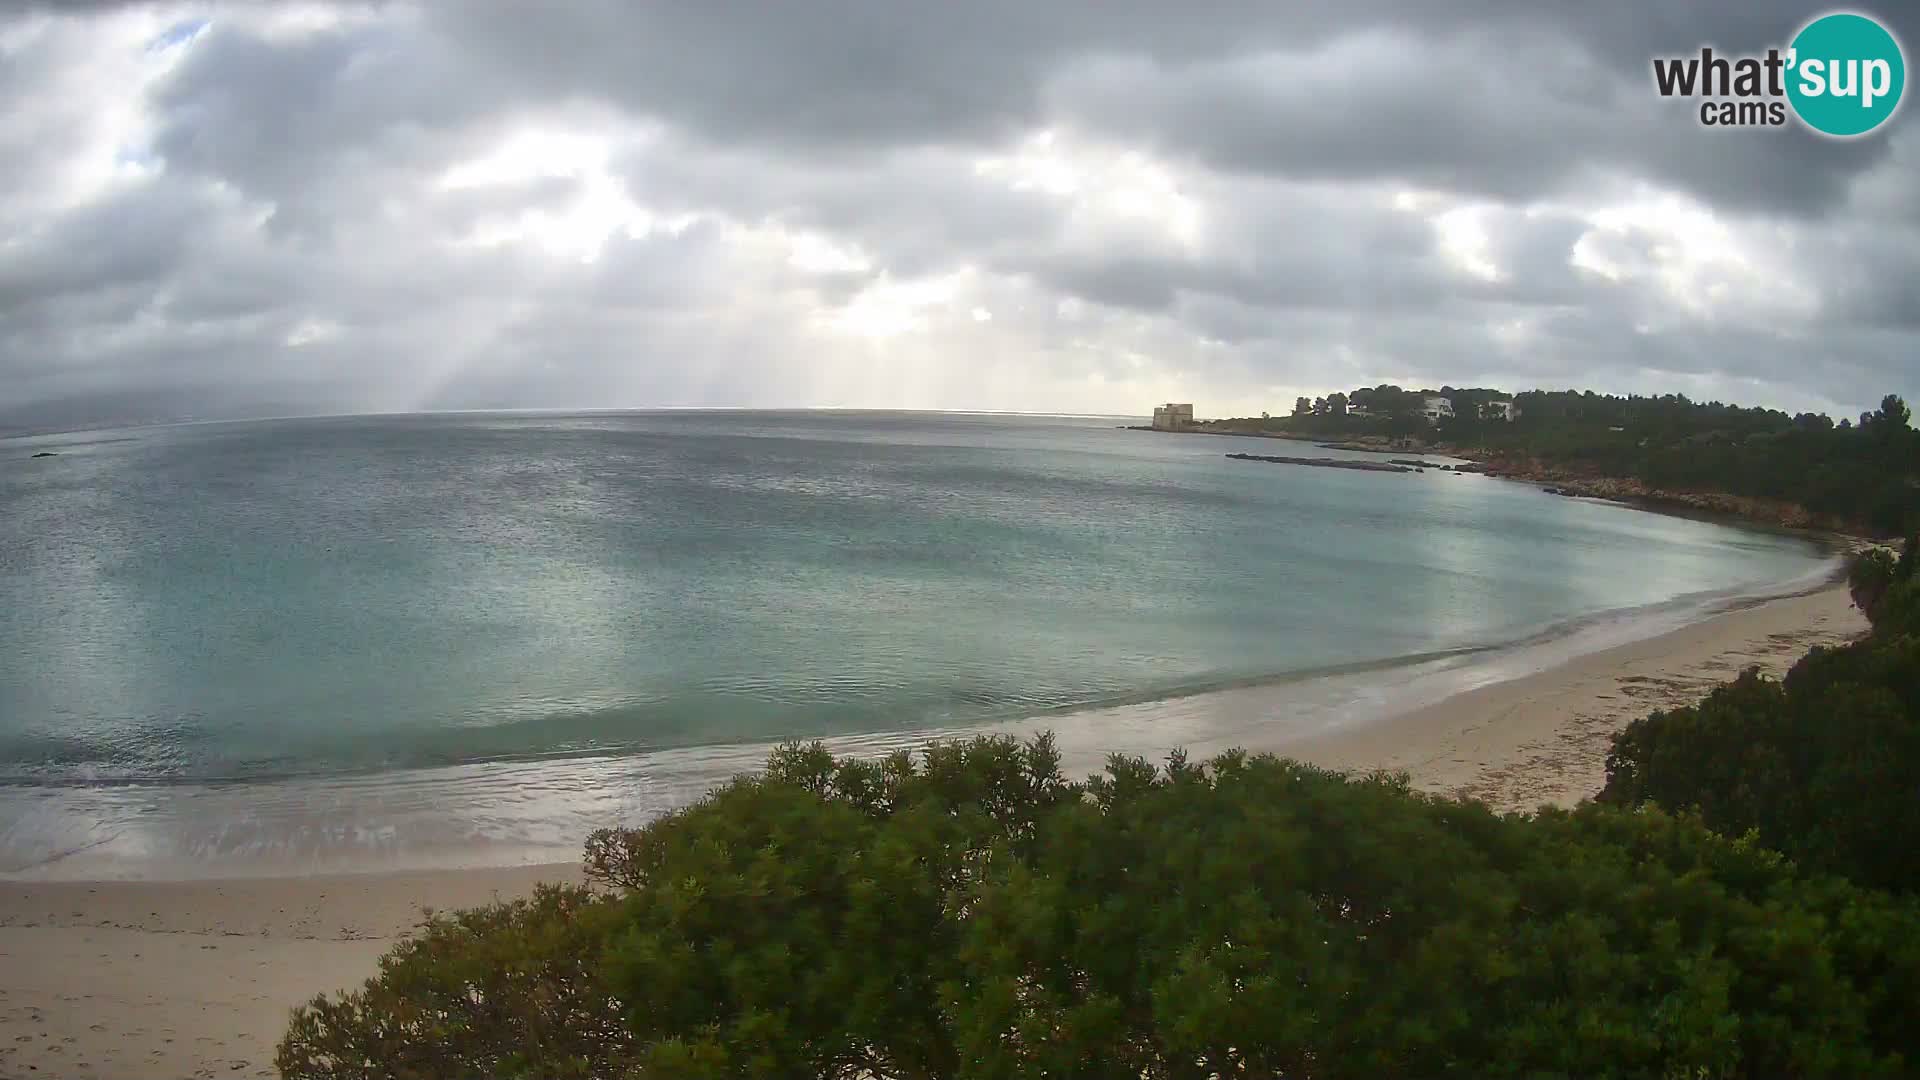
(194, 979)
(120, 980)
(1542, 738)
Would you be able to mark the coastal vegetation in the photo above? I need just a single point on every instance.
(1822, 765)
(1803, 469)
(972, 912)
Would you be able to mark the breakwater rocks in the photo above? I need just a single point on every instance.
(1767, 511)
(1323, 463)
(1563, 481)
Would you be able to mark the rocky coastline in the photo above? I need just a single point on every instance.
(1562, 480)
(1777, 513)
(1325, 463)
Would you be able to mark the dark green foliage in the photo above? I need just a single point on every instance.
(972, 914)
(1870, 575)
(1823, 765)
(1888, 589)
(803, 924)
(1269, 919)
(511, 990)
(1864, 477)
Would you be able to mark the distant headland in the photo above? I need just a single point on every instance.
(1802, 470)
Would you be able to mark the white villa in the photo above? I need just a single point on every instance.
(1436, 407)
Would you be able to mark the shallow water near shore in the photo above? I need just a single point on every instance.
(455, 639)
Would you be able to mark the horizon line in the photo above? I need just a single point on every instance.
(556, 410)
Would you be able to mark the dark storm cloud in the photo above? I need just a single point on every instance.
(318, 124)
(1318, 250)
(1505, 97)
(1511, 116)
(137, 238)
(284, 207)
(921, 206)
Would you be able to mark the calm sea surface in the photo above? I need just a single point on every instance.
(285, 601)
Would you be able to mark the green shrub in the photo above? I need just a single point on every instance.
(510, 990)
(972, 914)
(1823, 765)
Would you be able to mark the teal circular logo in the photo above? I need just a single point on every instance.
(1845, 74)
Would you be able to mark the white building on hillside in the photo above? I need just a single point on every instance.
(1436, 407)
(1498, 410)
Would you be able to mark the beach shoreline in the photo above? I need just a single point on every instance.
(195, 978)
(1542, 738)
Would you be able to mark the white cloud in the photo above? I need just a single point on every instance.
(1463, 238)
(889, 308)
(1058, 207)
(311, 332)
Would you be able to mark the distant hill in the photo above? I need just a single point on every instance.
(1861, 475)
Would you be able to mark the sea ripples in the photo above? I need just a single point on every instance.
(338, 598)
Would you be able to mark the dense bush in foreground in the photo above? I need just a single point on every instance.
(973, 914)
(1823, 765)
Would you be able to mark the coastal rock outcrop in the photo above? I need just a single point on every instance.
(1559, 481)
(1324, 463)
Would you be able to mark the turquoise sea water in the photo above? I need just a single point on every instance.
(285, 601)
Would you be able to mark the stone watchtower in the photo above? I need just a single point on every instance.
(1172, 417)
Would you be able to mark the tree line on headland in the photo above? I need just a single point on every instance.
(1862, 475)
(1742, 900)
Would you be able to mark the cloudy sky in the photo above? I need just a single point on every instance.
(1074, 206)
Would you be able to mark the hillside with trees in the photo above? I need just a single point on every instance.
(1804, 469)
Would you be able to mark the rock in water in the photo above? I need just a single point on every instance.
(46, 453)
